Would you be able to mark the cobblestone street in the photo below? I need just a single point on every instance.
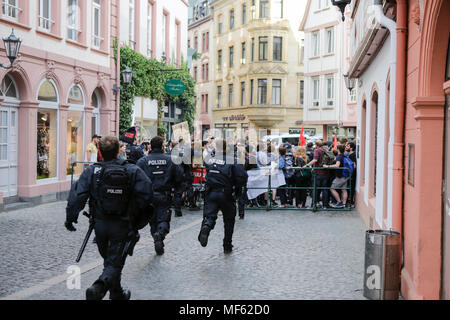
(277, 255)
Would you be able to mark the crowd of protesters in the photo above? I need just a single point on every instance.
(334, 187)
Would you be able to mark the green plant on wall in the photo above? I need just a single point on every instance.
(149, 82)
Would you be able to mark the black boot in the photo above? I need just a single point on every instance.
(203, 235)
(120, 294)
(241, 215)
(178, 213)
(159, 244)
(97, 291)
(227, 246)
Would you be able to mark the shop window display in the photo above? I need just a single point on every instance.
(74, 141)
(46, 143)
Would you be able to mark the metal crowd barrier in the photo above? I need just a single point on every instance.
(73, 164)
(313, 189)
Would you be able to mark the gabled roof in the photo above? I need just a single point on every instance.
(305, 16)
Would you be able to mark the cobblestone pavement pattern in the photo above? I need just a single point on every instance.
(277, 255)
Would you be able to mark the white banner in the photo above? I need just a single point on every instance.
(259, 178)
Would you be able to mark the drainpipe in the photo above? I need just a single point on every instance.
(118, 66)
(400, 105)
(377, 11)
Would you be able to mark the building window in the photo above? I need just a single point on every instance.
(164, 32)
(10, 9)
(253, 49)
(149, 28)
(96, 23)
(45, 21)
(243, 53)
(206, 41)
(302, 52)
(131, 40)
(302, 92)
(219, 96)
(244, 14)
(196, 43)
(242, 93)
(276, 91)
(330, 40)
(220, 25)
(47, 131)
(232, 19)
(316, 92)
(277, 9)
(315, 44)
(330, 91)
(263, 48)
(206, 72)
(73, 20)
(263, 9)
(219, 59)
(262, 91)
(251, 91)
(230, 95)
(205, 103)
(195, 73)
(231, 57)
(353, 95)
(203, 42)
(277, 48)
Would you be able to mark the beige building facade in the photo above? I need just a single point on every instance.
(258, 70)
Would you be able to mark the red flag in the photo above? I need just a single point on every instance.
(335, 141)
(301, 139)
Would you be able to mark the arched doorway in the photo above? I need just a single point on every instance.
(8, 136)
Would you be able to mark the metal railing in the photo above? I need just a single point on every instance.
(313, 187)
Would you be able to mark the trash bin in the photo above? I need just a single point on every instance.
(382, 265)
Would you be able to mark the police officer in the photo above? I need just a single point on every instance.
(111, 187)
(134, 152)
(224, 182)
(164, 175)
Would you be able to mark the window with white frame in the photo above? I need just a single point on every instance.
(302, 92)
(96, 23)
(131, 40)
(353, 95)
(330, 90)
(322, 4)
(73, 20)
(164, 21)
(316, 92)
(315, 40)
(330, 40)
(276, 91)
(149, 28)
(244, 14)
(277, 9)
(231, 19)
(45, 21)
(10, 8)
(263, 9)
(242, 93)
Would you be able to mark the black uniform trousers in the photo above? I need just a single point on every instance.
(160, 221)
(111, 235)
(220, 199)
(242, 201)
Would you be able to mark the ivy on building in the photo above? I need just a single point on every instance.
(148, 82)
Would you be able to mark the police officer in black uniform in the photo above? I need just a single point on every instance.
(224, 182)
(164, 175)
(134, 152)
(112, 187)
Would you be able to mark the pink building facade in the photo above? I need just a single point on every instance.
(57, 95)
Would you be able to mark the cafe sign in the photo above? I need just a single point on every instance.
(234, 117)
(174, 87)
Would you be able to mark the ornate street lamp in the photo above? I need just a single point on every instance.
(349, 83)
(341, 4)
(127, 75)
(12, 47)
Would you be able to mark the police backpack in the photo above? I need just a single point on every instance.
(114, 189)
